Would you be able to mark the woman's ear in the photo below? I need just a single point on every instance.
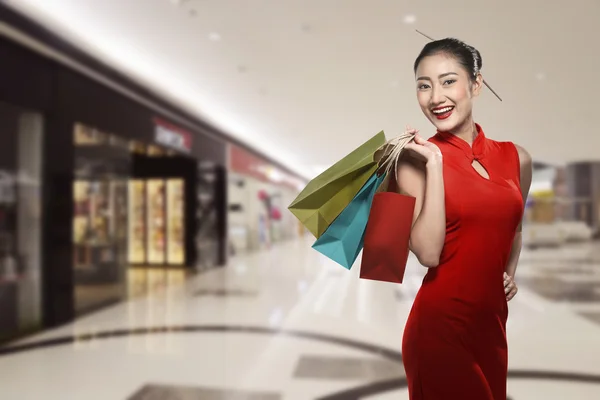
(476, 86)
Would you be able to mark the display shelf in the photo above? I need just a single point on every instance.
(175, 221)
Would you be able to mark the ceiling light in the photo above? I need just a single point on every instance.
(540, 76)
(214, 36)
(410, 19)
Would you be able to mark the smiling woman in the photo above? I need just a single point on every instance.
(449, 63)
(457, 177)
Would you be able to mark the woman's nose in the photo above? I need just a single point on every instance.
(437, 97)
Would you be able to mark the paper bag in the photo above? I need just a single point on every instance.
(386, 242)
(343, 240)
(324, 198)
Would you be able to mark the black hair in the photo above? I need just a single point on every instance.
(467, 56)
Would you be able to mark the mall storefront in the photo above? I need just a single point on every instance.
(259, 194)
(137, 205)
(93, 184)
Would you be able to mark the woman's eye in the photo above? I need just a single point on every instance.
(423, 86)
(449, 82)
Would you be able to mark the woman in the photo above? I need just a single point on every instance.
(470, 192)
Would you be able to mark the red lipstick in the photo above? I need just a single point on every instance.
(442, 112)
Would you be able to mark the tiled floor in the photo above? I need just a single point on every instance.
(288, 324)
(167, 392)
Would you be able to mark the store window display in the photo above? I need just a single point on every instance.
(129, 210)
(152, 221)
(258, 194)
(258, 215)
(157, 208)
(20, 221)
(102, 163)
(165, 215)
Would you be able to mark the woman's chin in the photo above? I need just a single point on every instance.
(444, 125)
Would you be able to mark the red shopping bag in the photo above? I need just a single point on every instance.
(385, 251)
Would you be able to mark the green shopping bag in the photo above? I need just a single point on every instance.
(343, 240)
(324, 198)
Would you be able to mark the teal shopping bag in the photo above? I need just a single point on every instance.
(343, 239)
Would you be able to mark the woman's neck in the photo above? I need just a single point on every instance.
(467, 131)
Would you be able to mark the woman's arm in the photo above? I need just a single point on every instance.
(422, 178)
(526, 174)
(526, 171)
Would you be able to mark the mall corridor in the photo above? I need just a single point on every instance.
(289, 324)
(191, 189)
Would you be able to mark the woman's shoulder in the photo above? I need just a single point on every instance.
(524, 156)
(522, 160)
(507, 144)
(410, 174)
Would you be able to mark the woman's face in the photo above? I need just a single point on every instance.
(445, 92)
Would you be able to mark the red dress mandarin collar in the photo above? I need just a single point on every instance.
(476, 151)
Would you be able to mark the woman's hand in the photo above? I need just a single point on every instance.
(423, 149)
(510, 287)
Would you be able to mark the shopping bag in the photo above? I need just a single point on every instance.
(324, 198)
(388, 158)
(343, 240)
(387, 235)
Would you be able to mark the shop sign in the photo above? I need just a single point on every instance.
(171, 136)
(246, 163)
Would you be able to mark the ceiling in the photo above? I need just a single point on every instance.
(307, 81)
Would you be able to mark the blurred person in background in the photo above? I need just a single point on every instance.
(470, 193)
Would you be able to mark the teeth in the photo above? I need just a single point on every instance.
(442, 110)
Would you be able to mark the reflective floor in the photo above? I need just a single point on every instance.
(289, 324)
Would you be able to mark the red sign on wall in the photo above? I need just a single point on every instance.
(246, 163)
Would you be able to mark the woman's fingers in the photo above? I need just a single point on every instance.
(427, 150)
(421, 150)
(512, 293)
(417, 147)
(420, 140)
(410, 130)
(510, 287)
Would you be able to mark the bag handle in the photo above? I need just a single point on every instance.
(388, 157)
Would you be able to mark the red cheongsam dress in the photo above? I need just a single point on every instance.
(454, 345)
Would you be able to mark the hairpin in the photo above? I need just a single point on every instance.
(484, 82)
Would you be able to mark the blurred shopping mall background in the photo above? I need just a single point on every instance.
(149, 150)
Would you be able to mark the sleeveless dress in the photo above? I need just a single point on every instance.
(454, 345)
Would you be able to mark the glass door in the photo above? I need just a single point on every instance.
(20, 220)
(137, 221)
(100, 222)
(156, 221)
(175, 222)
